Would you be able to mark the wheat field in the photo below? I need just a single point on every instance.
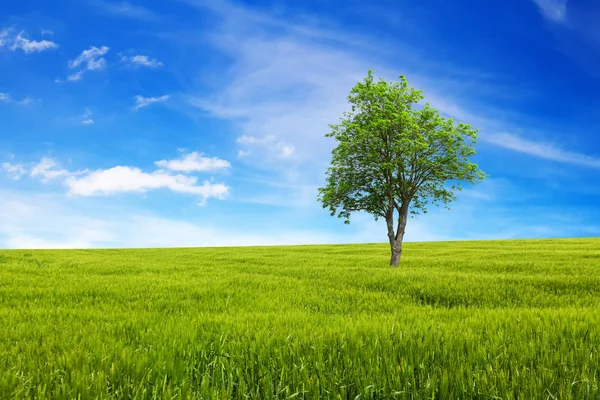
(476, 320)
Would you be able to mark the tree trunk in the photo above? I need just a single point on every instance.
(396, 253)
(397, 237)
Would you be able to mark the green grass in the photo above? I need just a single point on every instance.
(510, 320)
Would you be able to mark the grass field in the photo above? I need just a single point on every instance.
(506, 319)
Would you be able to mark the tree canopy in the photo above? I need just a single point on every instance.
(396, 158)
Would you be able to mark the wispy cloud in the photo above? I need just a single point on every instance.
(123, 9)
(554, 10)
(32, 46)
(194, 162)
(15, 171)
(281, 92)
(73, 77)
(542, 150)
(86, 118)
(276, 83)
(141, 61)
(240, 16)
(4, 36)
(269, 143)
(48, 169)
(26, 101)
(6, 98)
(50, 222)
(91, 59)
(141, 101)
(19, 41)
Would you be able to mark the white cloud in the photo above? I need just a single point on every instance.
(16, 171)
(126, 179)
(194, 162)
(4, 97)
(141, 102)
(48, 169)
(91, 60)
(31, 46)
(141, 61)
(20, 42)
(47, 32)
(542, 150)
(554, 10)
(122, 179)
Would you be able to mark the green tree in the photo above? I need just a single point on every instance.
(393, 159)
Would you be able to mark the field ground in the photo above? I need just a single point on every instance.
(505, 319)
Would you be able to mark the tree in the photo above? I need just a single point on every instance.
(394, 158)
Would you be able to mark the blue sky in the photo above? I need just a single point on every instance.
(202, 122)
